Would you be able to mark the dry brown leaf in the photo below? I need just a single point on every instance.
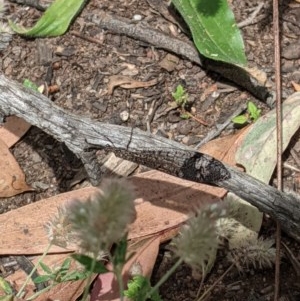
(12, 178)
(13, 129)
(295, 85)
(224, 148)
(23, 228)
(162, 206)
(127, 83)
(208, 91)
(169, 62)
(258, 74)
(163, 203)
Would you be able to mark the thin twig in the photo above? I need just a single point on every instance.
(295, 157)
(250, 19)
(89, 39)
(215, 283)
(216, 132)
(279, 136)
(32, 3)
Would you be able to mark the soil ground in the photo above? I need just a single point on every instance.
(81, 68)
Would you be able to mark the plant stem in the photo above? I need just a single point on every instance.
(120, 282)
(46, 289)
(89, 278)
(19, 294)
(165, 277)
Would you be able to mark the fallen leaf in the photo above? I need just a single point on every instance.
(12, 179)
(296, 86)
(23, 229)
(257, 153)
(224, 148)
(208, 91)
(163, 202)
(13, 129)
(258, 74)
(127, 83)
(169, 62)
(130, 70)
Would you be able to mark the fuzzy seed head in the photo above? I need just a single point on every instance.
(198, 241)
(59, 229)
(104, 218)
(256, 253)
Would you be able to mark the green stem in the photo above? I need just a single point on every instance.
(164, 278)
(117, 271)
(44, 290)
(120, 282)
(88, 283)
(19, 294)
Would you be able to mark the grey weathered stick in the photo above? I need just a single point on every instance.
(84, 136)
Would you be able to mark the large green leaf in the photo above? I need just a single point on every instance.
(214, 30)
(55, 21)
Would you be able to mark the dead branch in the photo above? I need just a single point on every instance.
(84, 137)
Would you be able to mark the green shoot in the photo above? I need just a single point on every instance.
(180, 97)
(252, 114)
(31, 85)
(138, 288)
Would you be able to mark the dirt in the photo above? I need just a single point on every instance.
(81, 63)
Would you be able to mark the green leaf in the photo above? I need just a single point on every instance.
(214, 30)
(87, 262)
(5, 286)
(46, 268)
(29, 84)
(43, 278)
(179, 93)
(138, 289)
(74, 276)
(55, 21)
(66, 264)
(241, 119)
(253, 110)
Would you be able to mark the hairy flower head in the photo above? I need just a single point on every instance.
(104, 218)
(198, 241)
(59, 229)
(256, 253)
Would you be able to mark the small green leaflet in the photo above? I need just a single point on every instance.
(214, 30)
(55, 21)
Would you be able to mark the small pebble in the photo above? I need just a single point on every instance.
(137, 17)
(124, 115)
